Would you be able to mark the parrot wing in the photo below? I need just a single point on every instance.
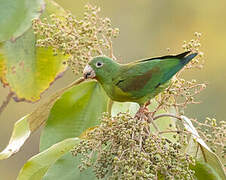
(136, 77)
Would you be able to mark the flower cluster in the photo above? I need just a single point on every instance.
(182, 92)
(80, 39)
(124, 148)
(194, 46)
(179, 94)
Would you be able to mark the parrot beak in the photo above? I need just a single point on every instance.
(88, 72)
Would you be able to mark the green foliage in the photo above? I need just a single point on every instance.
(26, 69)
(30, 70)
(122, 145)
(202, 151)
(36, 167)
(76, 110)
(65, 168)
(205, 171)
(127, 107)
(16, 17)
(20, 133)
(31, 122)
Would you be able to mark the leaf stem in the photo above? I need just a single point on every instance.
(44, 109)
(6, 102)
(203, 153)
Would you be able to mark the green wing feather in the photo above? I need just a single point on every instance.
(140, 77)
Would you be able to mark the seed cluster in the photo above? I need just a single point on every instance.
(179, 94)
(124, 148)
(80, 39)
(194, 46)
(182, 92)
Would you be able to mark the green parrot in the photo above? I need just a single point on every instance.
(138, 81)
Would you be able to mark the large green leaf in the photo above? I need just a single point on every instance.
(78, 109)
(29, 70)
(204, 154)
(36, 167)
(29, 123)
(16, 17)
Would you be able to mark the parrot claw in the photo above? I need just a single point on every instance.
(142, 113)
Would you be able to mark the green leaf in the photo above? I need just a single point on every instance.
(204, 171)
(163, 123)
(125, 107)
(29, 70)
(53, 8)
(208, 156)
(20, 134)
(16, 17)
(77, 110)
(36, 167)
(66, 169)
(29, 123)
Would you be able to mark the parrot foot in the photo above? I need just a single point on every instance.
(142, 113)
(147, 103)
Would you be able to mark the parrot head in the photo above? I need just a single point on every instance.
(100, 68)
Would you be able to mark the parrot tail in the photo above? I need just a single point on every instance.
(186, 59)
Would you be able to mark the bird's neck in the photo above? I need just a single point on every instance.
(110, 74)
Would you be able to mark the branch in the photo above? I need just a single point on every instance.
(107, 40)
(167, 115)
(6, 102)
(173, 131)
(153, 123)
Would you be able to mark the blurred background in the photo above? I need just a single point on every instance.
(147, 28)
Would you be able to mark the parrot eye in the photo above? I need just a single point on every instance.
(99, 64)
